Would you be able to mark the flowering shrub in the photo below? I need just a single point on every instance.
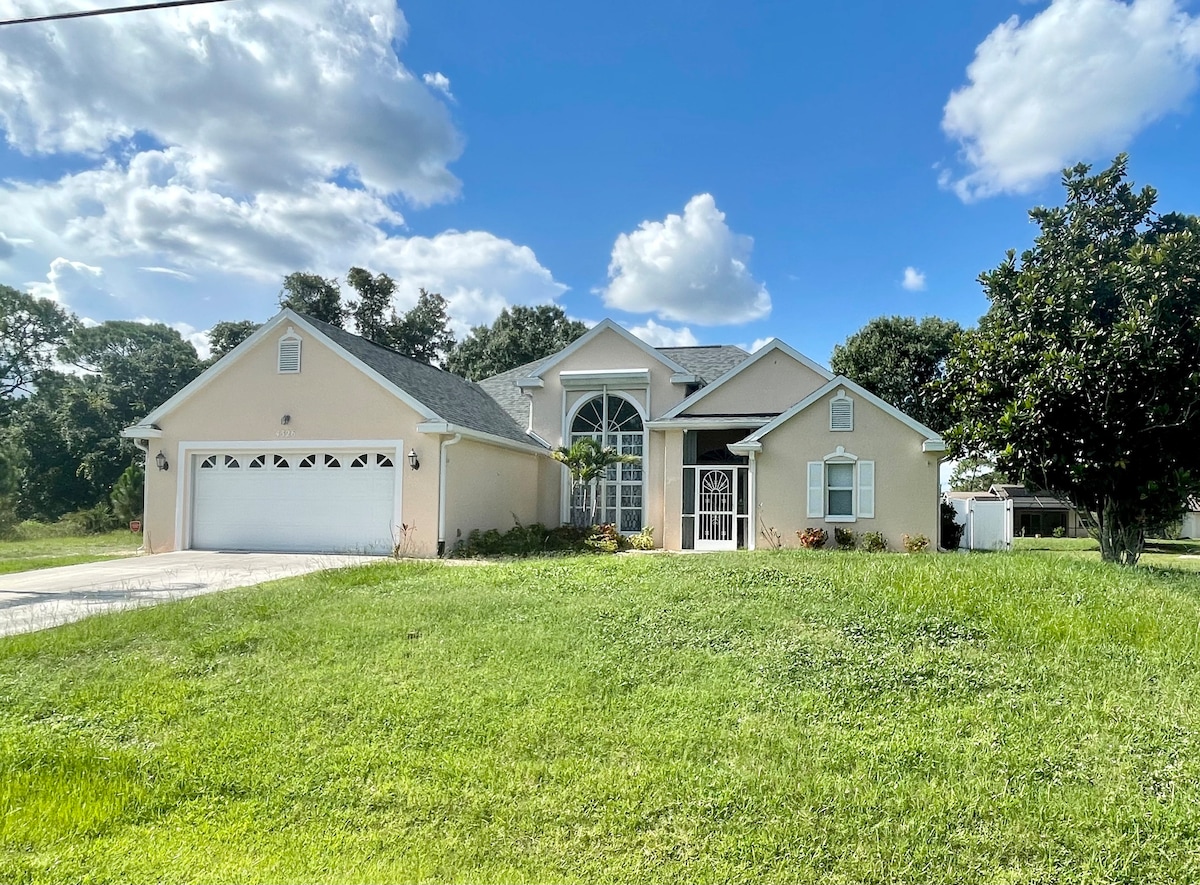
(874, 542)
(846, 539)
(812, 539)
(917, 543)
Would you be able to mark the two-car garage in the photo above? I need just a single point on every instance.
(318, 499)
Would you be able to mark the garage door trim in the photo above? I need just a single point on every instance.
(184, 488)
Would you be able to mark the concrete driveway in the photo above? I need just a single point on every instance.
(47, 597)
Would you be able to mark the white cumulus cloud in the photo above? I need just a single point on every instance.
(439, 81)
(914, 280)
(214, 149)
(478, 273)
(657, 335)
(687, 268)
(1075, 82)
(77, 286)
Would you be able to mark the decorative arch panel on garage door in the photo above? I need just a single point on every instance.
(315, 499)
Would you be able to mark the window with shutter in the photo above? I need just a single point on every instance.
(289, 353)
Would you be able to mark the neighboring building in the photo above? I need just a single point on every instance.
(306, 437)
(1190, 528)
(1033, 514)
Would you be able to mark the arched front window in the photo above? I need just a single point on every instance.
(614, 421)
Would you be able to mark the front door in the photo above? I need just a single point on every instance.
(715, 508)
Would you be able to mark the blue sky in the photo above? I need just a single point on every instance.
(700, 172)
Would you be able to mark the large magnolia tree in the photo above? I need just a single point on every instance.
(1084, 375)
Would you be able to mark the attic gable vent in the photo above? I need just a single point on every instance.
(289, 353)
(841, 412)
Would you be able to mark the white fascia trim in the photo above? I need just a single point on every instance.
(745, 448)
(286, 315)
(770, 347)
(446, 429)
(934, 445)
(600, 327)
(530, 382)
(140, 431)
(722, 422)
(684, 378)
(843, 381)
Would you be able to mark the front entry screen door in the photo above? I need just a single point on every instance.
(715, 508)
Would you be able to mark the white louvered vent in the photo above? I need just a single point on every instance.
(289, 354)
(841, 412)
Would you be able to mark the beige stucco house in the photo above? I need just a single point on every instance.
(308, 438)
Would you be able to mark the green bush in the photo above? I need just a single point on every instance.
(8, 520)
(845, 538)
(127, 495)
(875, 542)
(643, 540)
(917, 543)
(952, 530)
(1059, 532)
(91, 520)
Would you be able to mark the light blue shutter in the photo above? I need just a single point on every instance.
(866, 489)
(816, 489)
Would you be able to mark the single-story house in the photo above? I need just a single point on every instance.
(306, 437)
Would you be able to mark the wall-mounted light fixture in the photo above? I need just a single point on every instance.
(285, 420)
(413, 461)
(160, 460)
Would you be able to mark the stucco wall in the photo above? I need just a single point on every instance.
(486, 487)
(906, 479)
(328, 400)
(772, 385)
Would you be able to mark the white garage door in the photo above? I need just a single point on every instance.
(333, 501)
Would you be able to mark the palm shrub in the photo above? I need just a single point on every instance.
(588, 462)
(128, 494)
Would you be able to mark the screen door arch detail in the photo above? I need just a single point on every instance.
(716, 508)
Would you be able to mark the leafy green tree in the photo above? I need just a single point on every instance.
(228, 334)
(519, 335)
(423, 333)
(31, 330)
(1084, 375)
(69, 429)
(976, 475)
(314, 296)
(900, 360)
(587, 461)
(373, 312)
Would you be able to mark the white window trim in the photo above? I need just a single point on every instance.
(841, 456)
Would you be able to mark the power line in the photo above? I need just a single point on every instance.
(112, 10)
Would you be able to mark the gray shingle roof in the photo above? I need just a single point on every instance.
(709, 361)
(455, 399)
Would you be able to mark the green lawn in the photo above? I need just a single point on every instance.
(48, 551)
(1159, 553)
(763, 717)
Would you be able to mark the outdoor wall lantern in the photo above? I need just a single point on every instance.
(285, 420)
(161, 460)
(413, 461)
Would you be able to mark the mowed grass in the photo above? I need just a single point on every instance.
(762, 717)
(49, 551)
